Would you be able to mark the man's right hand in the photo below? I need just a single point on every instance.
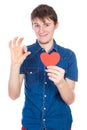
(18, 52)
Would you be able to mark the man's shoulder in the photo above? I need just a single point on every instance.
(63, 49)
(31, 46)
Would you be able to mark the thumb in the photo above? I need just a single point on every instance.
(26, 54)
(24, 49)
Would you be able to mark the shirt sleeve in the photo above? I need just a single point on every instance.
(22, 68)
(72, 69)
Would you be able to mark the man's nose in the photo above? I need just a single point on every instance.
(41, 29)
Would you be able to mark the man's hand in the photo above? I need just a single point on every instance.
(18, 52)
(55, 73)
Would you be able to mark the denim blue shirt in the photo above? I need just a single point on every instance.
(43, 106)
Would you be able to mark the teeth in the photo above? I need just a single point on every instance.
(42, 35)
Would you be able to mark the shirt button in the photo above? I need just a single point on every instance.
(45, 95)
(43, 49)
(44, 108)
(31, 72)
(44, 119)
(45, 82)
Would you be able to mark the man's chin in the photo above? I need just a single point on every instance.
(43, 42)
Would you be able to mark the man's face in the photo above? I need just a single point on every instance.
(44, 30)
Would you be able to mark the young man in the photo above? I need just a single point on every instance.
(49, 88)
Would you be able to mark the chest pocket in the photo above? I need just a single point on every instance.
(31, 75)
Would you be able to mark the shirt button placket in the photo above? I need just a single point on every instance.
(44, 101)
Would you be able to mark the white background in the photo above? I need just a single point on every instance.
(72, 31)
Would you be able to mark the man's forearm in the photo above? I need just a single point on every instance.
(66, 92)
(14, 82)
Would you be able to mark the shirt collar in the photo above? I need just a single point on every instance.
(38, 47)
(54, 46)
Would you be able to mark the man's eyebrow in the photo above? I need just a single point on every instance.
(34, 23)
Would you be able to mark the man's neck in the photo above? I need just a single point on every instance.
(47, 46)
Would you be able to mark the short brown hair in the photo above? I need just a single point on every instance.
(43, 11)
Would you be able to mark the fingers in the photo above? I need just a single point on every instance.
(10, 44)
(15, 42)
(26, 54)
(20, 41)
(18, 52)
(55, 69)
(24, 49)
(55, 73)
(52, 75)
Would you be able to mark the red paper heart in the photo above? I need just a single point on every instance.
(50, 59)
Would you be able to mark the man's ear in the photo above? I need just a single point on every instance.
(56, 25)
(32, 25)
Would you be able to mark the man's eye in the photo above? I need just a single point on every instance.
(37, 25)
(47, 25)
